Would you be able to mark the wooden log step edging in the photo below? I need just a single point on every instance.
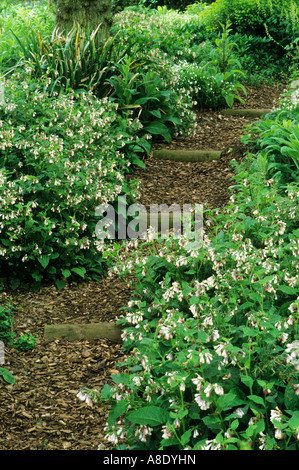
(250, 113)
(88, 331)
(187, 155)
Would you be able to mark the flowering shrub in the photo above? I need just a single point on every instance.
(60, 158)
(215, 83)
(213, 332)
(18, 18)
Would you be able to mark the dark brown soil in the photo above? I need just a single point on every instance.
(41, 410)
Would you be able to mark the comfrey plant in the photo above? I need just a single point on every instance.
(213, 332)
(60, 158)
(218, 81)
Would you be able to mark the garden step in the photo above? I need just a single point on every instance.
(187, 155)
(89, 331)
(250, 113)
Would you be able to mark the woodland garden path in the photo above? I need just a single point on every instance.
(41, 411)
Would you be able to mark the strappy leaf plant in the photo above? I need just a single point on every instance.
(75, 61)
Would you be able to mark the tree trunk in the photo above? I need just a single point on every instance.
(85, 13)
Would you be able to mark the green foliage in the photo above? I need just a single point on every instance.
(60, 158)
(7, 334)
(6, 323)
(256, 57)
(76, 61)
(250, 16)
(213, 332)
(179, 5)
(276, 139)
(143, 93)
(217, 82)
(7, 376)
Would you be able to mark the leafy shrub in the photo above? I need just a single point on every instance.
(6, 322)
(168, 32)
(76, 61)
(60, 158)
(217, 82)
(181, 5)
(147, 98)
(213, 333)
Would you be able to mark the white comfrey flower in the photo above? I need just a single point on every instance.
(166, 432)
(203, 405)
(84, 397)
(278, 434)
(193, 310)
(198, 380)
(137, 380)
(208, 390)
(239, 412)
(218, 389)
(143, 432)
(293, 353)
(181, 261)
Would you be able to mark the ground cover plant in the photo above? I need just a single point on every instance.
(213, 332)
(60, 157)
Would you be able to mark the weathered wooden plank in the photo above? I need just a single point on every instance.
(89, 331)
(251, 113)
(187, 155)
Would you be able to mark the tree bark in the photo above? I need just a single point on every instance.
(88, 14)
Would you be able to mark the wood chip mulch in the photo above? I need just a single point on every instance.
(41, 411)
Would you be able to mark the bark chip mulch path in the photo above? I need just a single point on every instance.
(41, 411)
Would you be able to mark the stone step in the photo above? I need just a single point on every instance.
(187, 155)
(250, 113)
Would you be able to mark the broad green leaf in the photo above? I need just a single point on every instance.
(106, 392)
(148, 415)
(158, 128)
(247, 380)
(294, 421)
(230, 400)
(185, 438)
(121, 378)
(60, 284)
